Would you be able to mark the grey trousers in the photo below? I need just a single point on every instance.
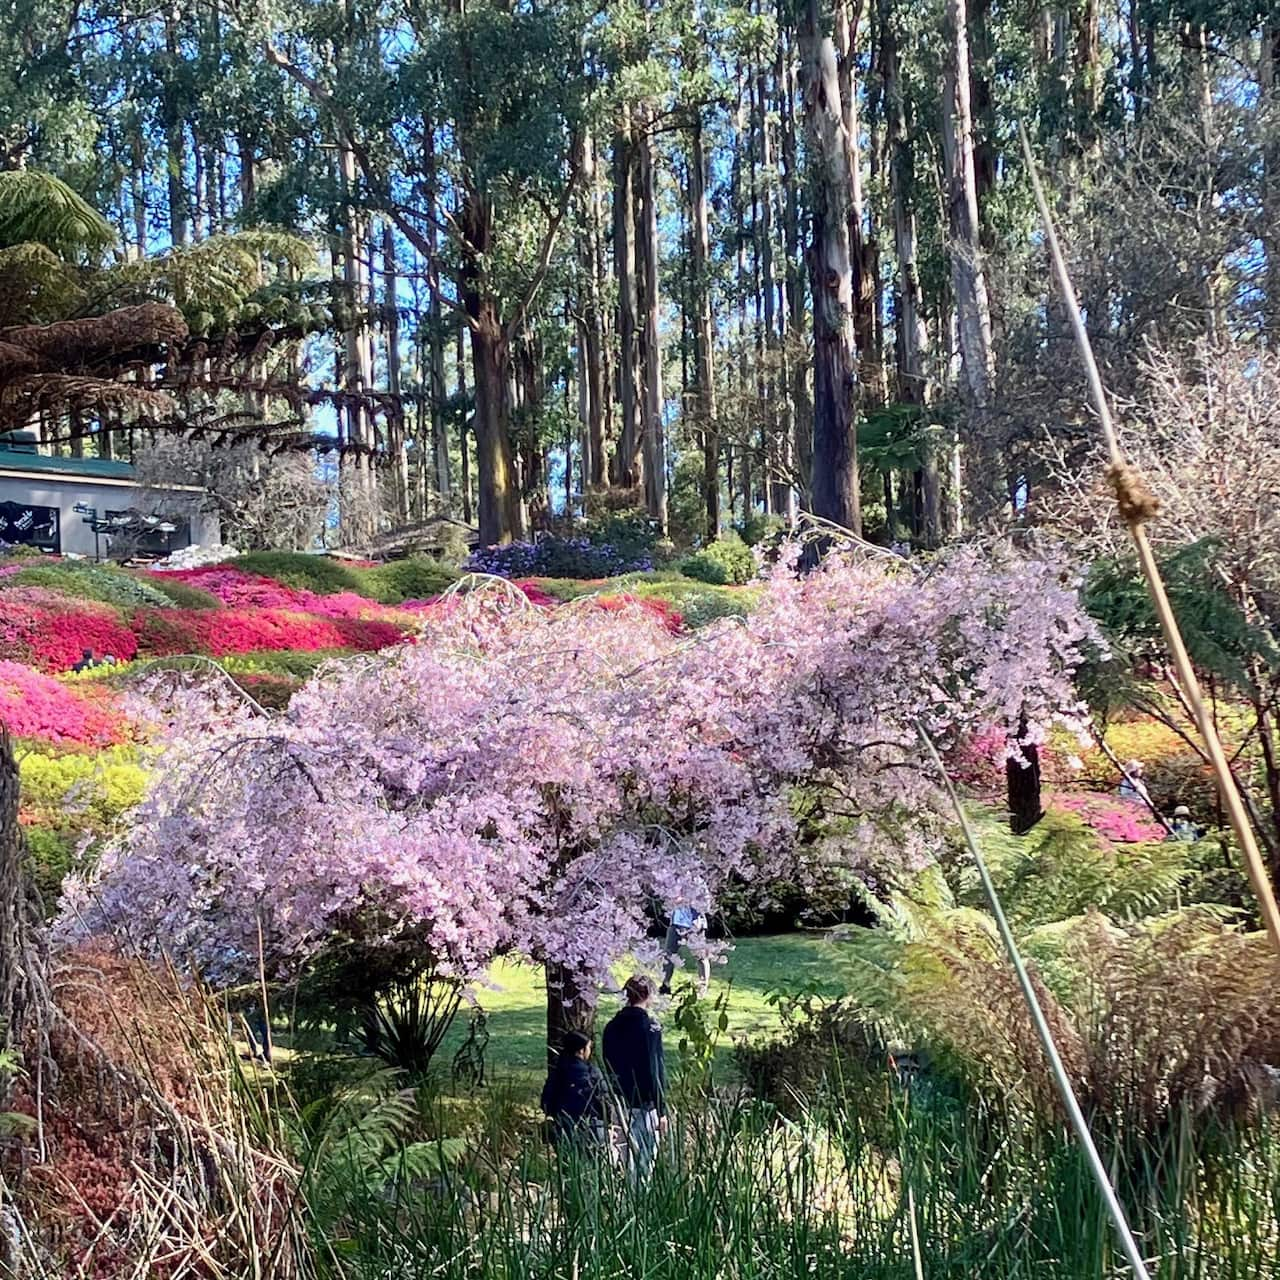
(677, 938)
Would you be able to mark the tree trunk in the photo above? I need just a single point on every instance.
(922, 514)
(175, 139)
(1023, 782)
(595, 464)
(1086, 82)
(982, 103)
(1269, 81)
(848, 16)
(654, 444)
(499, 498)
(463, 444)
(499, 502)
(248, 171)
(138, 191)
(391, 336)
(968, 278)
(568, 1008)
(434, 382)
(801, 412)
(704, 331)
(357, 371)
(835, 463)
(25, 1004)
(629, 468)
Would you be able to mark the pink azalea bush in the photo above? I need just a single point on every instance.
(532, 779)
(234, 586)
(1118, 820)
(33, 705)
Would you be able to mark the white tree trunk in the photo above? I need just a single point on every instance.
(967, 275)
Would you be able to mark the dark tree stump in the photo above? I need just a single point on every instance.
(1023, 783)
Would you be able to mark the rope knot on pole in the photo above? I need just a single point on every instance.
(1136, 502)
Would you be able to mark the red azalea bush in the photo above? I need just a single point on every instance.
(246, 630)
(367, 634)
(663, 610)
(33, 705)
(536, 595)
(163, 632)
(51, 631)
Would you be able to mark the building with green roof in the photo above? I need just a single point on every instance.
(93, 506)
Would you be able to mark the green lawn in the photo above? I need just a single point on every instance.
(515, 1001)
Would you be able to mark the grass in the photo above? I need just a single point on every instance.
(515, 1001)
(843, 1190)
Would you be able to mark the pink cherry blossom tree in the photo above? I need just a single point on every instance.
(518, 779)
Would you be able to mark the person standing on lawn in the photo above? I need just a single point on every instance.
(634, 1058)
(685, 921)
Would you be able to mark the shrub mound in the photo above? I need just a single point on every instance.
(318, 574)
(103, 583)
(165, 632)
(50, 631)
(557, 557)
(726, 562)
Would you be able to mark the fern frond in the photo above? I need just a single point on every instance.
(37, 208)
(35, 285)
(421, 1160)
(220, 276)
(1060, 869)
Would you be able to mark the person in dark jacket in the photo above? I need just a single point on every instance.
(633, 1056)
(575, 1097)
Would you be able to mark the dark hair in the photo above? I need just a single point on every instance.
(573, 1044)
(639, 988)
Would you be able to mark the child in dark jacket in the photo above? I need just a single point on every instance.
(575, 1097)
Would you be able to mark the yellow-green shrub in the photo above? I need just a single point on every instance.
(81, 791)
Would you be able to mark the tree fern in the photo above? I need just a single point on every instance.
(36, 286)
(220, 278)
(1061, 868)
(1137, 988)
(37, 208)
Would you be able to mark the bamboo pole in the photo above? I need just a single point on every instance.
(1137, 506)
(1062, 1081)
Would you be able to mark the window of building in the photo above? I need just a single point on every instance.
(150, 535)
(30, 526)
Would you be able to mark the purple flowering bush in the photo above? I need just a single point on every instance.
(555, 556)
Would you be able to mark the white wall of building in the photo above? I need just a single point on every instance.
(66, 492)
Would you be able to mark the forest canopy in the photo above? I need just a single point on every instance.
(516, 265)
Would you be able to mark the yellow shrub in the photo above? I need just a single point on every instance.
(83, 791)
